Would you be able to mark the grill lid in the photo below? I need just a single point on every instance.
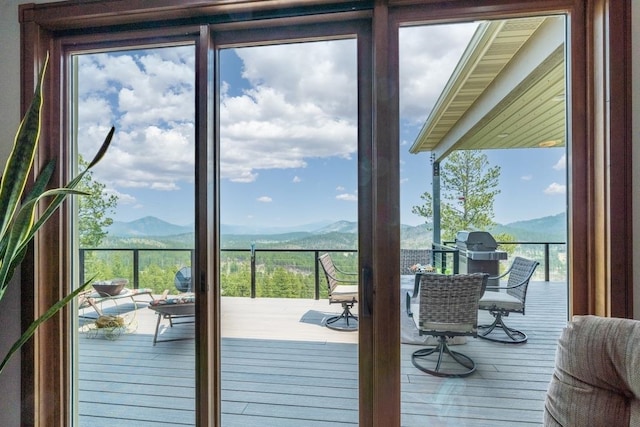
(476, 241)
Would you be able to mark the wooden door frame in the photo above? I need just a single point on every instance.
(600, 238)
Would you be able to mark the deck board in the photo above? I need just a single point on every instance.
(310, 376)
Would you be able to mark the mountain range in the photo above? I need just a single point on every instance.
(549, 228)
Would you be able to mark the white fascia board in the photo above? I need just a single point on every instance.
(542, 44)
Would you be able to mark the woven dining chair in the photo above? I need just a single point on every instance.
(412, 257)
(447, 307)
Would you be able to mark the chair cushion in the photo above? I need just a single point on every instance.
(499, 301)
(596, 381)
(345, 293)
(178, 299)
(441, 328)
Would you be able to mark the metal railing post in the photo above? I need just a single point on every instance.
(546, 262)
(81, 266)
(136, 268)
(253, 270)
(316, 272)
(456, 262)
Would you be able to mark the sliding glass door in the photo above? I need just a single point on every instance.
(288, 184)
(283, 143)
(483, 148)
(134, 236)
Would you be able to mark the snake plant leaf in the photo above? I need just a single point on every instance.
(21, 232)
(39, 187)
(53, 205)
(42, 180)
(40, 320)
(103, 149)
(18, 220)
(20, 161)
(28, 210)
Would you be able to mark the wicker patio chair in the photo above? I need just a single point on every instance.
(343, 289)
(500, 301)
(447, 307)
(411, 257)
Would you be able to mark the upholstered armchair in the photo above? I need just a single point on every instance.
(596, 382)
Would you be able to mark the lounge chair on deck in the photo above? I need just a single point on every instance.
(343, 289)
(500, 301)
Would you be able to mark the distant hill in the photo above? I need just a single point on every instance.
(147, 226)
(154, 232)
(339, 227)
(548, 228)
(261, 230)
(416, 237)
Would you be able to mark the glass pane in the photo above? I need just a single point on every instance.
(288, 142)
(483, 150)
(136, 230)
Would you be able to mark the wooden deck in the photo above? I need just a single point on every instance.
(281, 367)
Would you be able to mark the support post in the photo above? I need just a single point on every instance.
(436, 200)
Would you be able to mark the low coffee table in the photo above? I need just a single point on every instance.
(177, 307)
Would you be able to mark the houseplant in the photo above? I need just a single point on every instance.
(19, 221)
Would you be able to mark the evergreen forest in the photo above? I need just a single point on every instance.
(283, 265)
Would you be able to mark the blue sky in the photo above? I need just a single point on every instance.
(288, 132)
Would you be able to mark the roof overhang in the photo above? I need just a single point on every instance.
(507, 91)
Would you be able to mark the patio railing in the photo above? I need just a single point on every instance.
(445, 259)
(546, 261)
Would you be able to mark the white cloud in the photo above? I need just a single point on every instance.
(293, 111)
(555, 189)
(164, 186)
(283, 136)
(96, 111)
(147, 86)
(404, 180)
(149, 97)
(340, 188)
(296, 179)
(347, 197)
(321, 72)
(264, 199)
(149, 158)
(302, 104)
(561, 164)
(526, 177)
(428, 56)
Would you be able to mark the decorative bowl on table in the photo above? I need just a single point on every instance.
(110, 288)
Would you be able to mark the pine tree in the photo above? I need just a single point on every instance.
(469, 186)
(93, 210)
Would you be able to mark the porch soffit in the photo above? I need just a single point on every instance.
(507, 91)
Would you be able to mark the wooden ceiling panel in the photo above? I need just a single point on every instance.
(532, 112)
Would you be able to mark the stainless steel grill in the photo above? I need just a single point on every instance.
(479, 254)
